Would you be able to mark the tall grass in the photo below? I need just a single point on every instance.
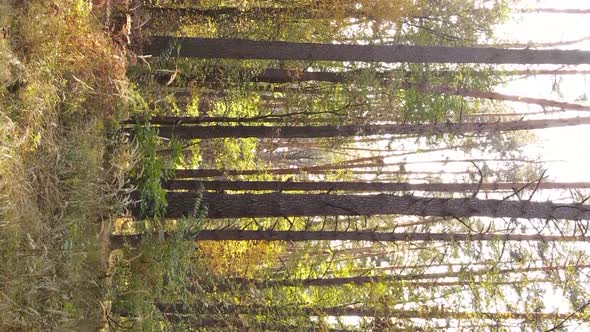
(62, 89)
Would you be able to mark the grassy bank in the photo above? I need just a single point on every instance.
(62, 90)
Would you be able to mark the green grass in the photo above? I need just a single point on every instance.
(62, 87)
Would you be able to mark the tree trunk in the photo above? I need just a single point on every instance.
(202, 132)
(500, 96)
(306, 205)
(250, 49)
(275, 75)
(321, 169)
(235, 322)
(362, 186)
(204, 173)
(430, 313)
(269, 75)
(361, 280)
(117, 241)
(576, 11)
(183, 120)
(286, 76)
(543, 45)
(469, 283)
(226, 11)
(295, 13)
(389, 269)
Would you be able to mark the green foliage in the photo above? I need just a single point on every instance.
(152, 168)
(419, 104)
(164, 269)
(452, 23)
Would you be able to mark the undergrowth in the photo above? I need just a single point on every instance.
(162, 269)
(62, 90)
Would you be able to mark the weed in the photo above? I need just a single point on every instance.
(163, 270)
(152, 168)
(62, 89)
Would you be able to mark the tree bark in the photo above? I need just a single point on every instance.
(287, 76)
(204, 173)
(431, 313)
(203, 132)
(504, 97)
(535, 72)
(576, 11)
(274, 75)
(117, 241)
(270, 75)
(250, 49)
(321, 169)
(361, 280)
(295, 13)
(390, 269)
(183, 120)
(362, 186)
(544, 44)
(304, 205)
(236, 322)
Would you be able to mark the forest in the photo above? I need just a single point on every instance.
(302, 165)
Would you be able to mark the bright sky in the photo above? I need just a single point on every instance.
(568, 144)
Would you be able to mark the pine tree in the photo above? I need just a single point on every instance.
(362, 130)
(326, 186)
(249, 49)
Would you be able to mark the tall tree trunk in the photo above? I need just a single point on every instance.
(361, 280)
(442, 265)
(362, 186)
(493, 116)
(183, 120)
(504, 97)
(294, 13)
(306, 205)
(275, 75)
(204, 173)
(321, 169)
(201, 132)
(545, 44)
(576, 11)
(286, 76)
(285, 118)
(249, 49)
(383, 254)
(235, 322)
(117, 241)
(219, 12)
(432, 313)
(269, 75)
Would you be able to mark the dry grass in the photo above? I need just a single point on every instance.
(62, 85)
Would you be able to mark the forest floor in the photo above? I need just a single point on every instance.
(63, 89)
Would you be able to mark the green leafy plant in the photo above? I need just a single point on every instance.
(153, 168)
(164, 270)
